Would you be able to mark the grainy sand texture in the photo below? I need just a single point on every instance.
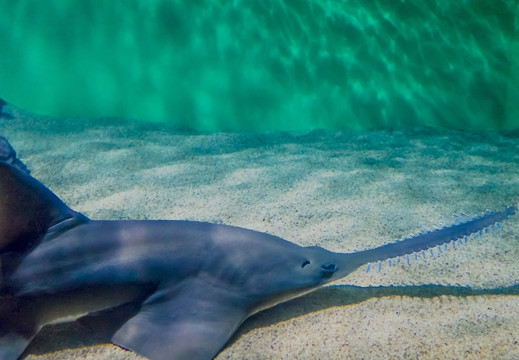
(341, 190)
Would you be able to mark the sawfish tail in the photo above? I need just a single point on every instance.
(430, 239)
(4, 114)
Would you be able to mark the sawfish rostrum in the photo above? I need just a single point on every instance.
(184, 287)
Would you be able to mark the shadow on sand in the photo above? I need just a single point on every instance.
(92, 330)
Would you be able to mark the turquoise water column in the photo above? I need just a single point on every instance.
(512, 109)
(258, 65)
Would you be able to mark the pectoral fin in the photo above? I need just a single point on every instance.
(12, 345)
(190, 321)
(17, 327)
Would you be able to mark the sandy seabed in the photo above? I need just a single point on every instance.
(341, 190)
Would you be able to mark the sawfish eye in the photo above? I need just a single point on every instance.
(305, 263)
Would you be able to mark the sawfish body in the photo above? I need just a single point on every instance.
(183, 287)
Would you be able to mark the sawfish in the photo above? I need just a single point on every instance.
(171, 289)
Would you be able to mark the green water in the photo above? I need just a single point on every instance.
(266, 64)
